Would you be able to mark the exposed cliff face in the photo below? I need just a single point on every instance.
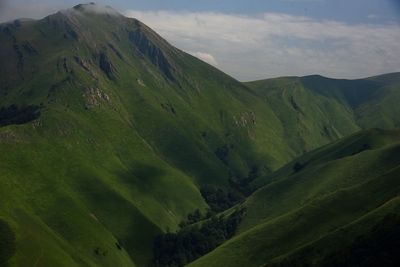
(106, 65)
(118, 145)
(130, 130)
(145, 46)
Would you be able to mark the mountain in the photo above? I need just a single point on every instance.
(340, 209)
(314, 108)
(110, 136)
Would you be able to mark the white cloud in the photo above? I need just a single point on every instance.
(205, 57)
(10, 10)
(94, 8)
(274, 44)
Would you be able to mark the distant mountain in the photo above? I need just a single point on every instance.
(314, 108)
(110, 136)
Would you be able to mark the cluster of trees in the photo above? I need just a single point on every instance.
(243, 185)
(223, 152)
(195, 217)
(18, 115)
(7, 243)
(362, 149)
(190, 243)
(202, 232)
(219, 199)
(298, 167)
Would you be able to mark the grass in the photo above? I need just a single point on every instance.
(297, 210)
(120, 158)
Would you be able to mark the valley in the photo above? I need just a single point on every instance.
(110, 137)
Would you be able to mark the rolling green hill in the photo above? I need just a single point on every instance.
(325, 213)
(314, 108)
(108, 134)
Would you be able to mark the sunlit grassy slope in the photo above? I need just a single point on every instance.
(314, 108)
(309, 217)
(131, 128)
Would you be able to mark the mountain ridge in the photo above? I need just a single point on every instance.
(131, 130)
(292, 219)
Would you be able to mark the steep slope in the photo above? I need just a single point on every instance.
(108, 134)
(373, 99)
(308, 118)
(100, 171)
(319, 214)
(327, 107)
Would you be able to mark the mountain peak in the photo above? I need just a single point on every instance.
(95, 8)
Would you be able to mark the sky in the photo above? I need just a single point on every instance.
(257, 39)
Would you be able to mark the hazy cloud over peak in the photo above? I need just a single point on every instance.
(205, 57)
(275, 44)
(96, 8)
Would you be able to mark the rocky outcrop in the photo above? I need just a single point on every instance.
(245, 119)
(94, 97)
(168, 107)
(146, 47)
(106, 66)
(82, 63)
(29, 48)
(116, 52)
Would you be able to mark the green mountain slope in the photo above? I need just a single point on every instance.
(108, 134)
(314, 216)
(330, 106)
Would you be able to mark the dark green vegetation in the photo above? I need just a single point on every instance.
(378, 246)
(191, 242)
(7, 243)
(341, 209)
(109, 137)
(15, 115)
(219, 199)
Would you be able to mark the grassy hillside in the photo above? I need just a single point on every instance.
(307, 117)
(100, 172)
(108, 134)
(317, 104)
(320, 214)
